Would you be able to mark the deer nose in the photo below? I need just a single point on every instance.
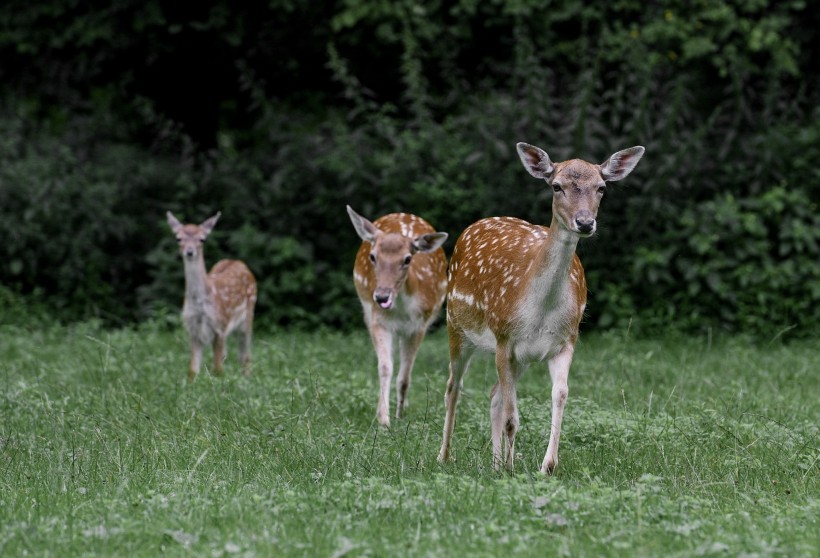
(190, 252)
(585, 223)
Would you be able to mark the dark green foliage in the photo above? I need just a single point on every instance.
(279, 114)
(74, 226)
(748, 263)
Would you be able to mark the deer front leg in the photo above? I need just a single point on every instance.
(559, 371)
(196, 361)
(219, 354)
(383, 344)
(408, 348)
(504, 407)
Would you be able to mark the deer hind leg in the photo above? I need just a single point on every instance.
(383, 344)
(459, 362)
(219, 354)
(245, 336)
(408, 349)
(559, 371)
(504, 407)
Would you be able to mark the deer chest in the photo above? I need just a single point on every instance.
(200, 322)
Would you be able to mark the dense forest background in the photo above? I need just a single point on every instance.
(279, 113)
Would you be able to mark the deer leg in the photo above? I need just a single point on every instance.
(383, 344)
(245, 336)
(244, 356)
(559, 371)
(219, 354)
(408, 348)
(196, 361)
(459, 361)
(504, 407)
(496, 419)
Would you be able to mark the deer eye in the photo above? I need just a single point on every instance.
(407, 260)
(556, 187)
(372, 257)
(601, 189)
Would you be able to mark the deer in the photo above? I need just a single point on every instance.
(400, 275)
(518, 290)
(216, 303)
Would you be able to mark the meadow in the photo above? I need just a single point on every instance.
(671, 446)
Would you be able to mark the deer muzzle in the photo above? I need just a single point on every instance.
(383, 297)
(585, 223)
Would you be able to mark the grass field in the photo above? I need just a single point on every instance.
(670, 447)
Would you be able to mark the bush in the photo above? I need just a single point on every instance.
(742, 264)
(715, 228)
(74, 226)
(741, 255)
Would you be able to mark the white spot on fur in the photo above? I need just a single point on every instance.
(465, 298)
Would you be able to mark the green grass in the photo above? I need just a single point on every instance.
(670, 447)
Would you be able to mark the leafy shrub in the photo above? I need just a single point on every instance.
(748, 264)
(715, 228)
(73, 224)
(743, 255)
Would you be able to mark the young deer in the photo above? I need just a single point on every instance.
(216, 303)
(519, 290)
(401, 279)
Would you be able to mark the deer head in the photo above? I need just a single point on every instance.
(191, 237)
(578, 186)
(391, 255)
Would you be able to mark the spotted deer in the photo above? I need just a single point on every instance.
(400, 275)
(519, 290)
(216, 303)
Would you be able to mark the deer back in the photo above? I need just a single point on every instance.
(233, 287)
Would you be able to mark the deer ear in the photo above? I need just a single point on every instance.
(366, 230)
(173, 222)
(535, 160)
(209, 223)
(429, 242)
(620, 164)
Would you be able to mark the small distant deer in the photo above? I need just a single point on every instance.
(216, 303)
(401, 279)
(519, 290)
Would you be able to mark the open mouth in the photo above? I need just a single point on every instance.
(385, 302)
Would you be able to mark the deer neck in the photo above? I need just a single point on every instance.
(197, 286)
(551, 268)
(411, 285)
